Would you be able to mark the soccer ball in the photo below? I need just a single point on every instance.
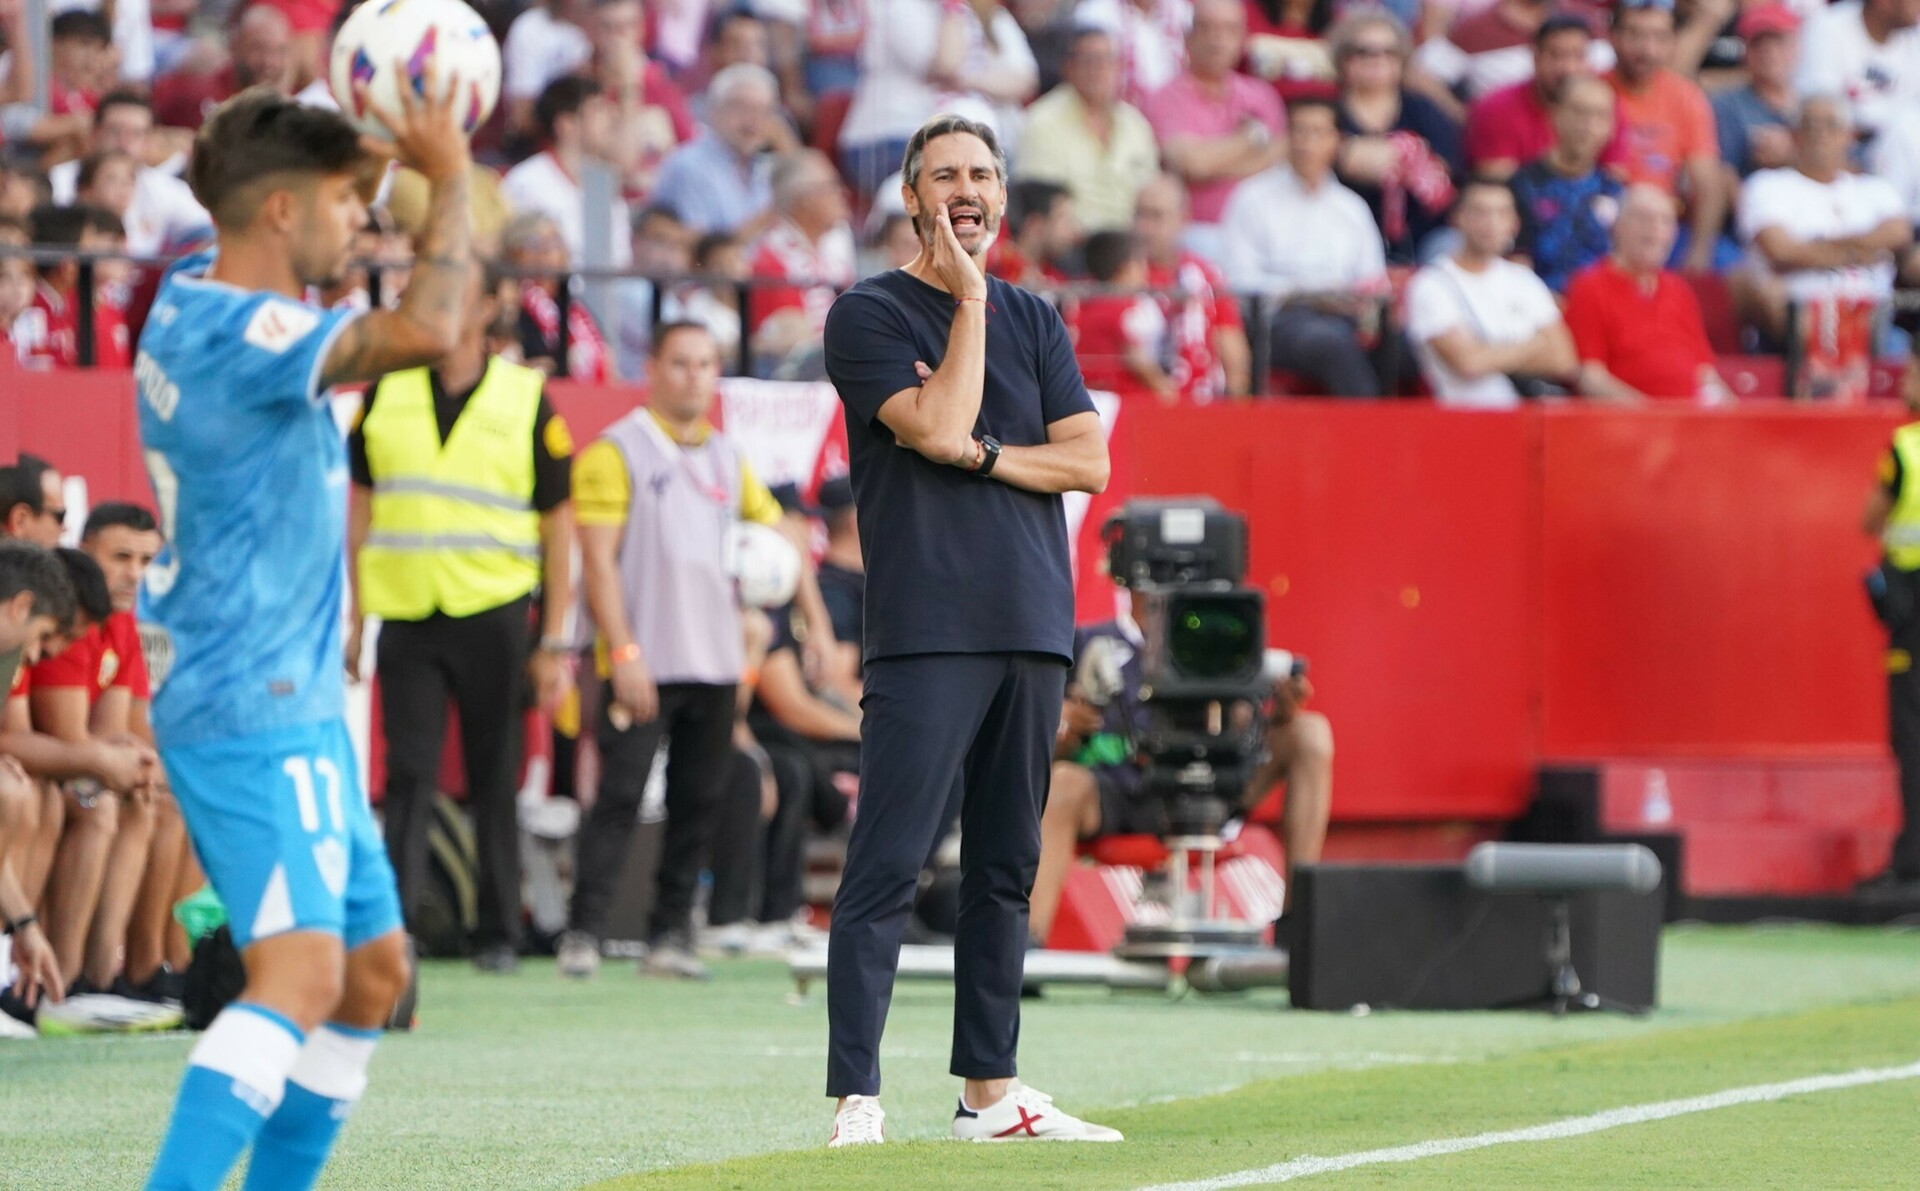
(382, 33)
(766, 567)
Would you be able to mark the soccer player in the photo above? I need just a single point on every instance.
(250, 473)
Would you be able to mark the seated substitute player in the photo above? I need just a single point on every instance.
(250, 473)
(1097, 787)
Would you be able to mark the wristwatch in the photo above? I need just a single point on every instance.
(15, 925)
(989, 455)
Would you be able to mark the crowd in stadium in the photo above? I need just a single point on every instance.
(1474, 200)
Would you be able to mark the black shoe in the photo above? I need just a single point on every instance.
(164, 987)
(499, 959)
(16, 1008)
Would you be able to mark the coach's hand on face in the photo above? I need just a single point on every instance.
(633, 689)
(427, 133)
(957, 271)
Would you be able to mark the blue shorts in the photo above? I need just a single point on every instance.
(282, 826)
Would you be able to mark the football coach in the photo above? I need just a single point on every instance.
(966, 420)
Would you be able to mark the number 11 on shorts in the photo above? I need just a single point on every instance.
(302, 771)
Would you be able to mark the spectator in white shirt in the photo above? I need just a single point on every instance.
(1817, 231)
(576, 124)
(1477, 319)
(1294, 233)
(163, 208)
(546, 42)
(1865, 51)
(923, 57)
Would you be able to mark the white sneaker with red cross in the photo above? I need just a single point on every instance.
(858, 1122)
(1025, 1114)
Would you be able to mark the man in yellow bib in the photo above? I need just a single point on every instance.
(1893, 516)
(461, 512)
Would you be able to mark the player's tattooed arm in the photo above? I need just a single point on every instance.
(426, 323)
(427, 137)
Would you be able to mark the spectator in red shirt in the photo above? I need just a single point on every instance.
(82, 62)
(1120, 337)
(811, 248)
(1667, 125)
(1040, 231)
(651, 112)
(1216, 126)
(1510, 127)
(84, 696)
(16, 286)
(1210, 356)
(532, 243)
(259, 53)
(48, 335)
(1636, 325)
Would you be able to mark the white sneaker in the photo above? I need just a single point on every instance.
(860, 1122)
(12, 1028)
(104, 1013)
(733, 940)
(578, 955)
(1024, 1114)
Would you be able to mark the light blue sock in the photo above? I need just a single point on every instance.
(322, 1089)
(235, 1078)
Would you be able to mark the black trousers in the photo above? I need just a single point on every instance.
(1325, 348)
(989, 719)
(759, 866)
(480, 661)
(1903, 707)
(696, 720)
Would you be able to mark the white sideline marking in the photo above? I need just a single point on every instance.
(1613, 1118)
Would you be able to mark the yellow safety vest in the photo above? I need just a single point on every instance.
(454, 529)
(1902, 535)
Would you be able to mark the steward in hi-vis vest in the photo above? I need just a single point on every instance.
(1893, 516)
(462, 512)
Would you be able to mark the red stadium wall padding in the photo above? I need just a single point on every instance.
(1701, 584)
(1477, 591)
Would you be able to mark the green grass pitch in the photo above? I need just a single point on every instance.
(525, 1082)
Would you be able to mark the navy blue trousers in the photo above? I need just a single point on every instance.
(988, 719)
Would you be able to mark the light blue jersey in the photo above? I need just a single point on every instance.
(250, 472)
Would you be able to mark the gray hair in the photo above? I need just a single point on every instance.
(523, 229)
(790, 174)
(1840, 104)
(1341, 37)
(739, 77)
(947, 124)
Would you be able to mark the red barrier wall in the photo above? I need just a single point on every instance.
(1477, 592)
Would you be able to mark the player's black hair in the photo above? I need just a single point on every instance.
(1031, 198)
(260, 137)
(668, 330)
(90, 591)
(1109, 252)
(23, 482)
(26, 567)
(120, 97)
(78, 24)
(564, 96)
(119, 514)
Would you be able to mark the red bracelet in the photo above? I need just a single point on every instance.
(964, 301)
(630, 652)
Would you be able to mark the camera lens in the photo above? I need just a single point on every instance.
(1215, 638)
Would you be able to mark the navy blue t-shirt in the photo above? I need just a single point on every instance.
(955, 563)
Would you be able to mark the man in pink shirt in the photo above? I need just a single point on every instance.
(1514, 125)
(1216, 126)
